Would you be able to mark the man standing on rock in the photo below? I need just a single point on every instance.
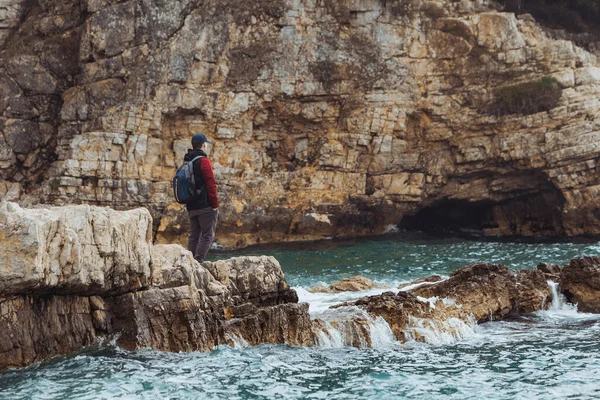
(203, 209)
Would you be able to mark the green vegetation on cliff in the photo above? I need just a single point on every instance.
(526, 98)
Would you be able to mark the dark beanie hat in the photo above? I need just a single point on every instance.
(199, 139)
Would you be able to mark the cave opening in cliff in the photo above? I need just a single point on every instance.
(534, 215)
(451, 217)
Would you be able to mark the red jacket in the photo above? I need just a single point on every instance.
(204, 174)
(209, 180)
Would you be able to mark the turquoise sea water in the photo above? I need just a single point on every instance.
(549, 355)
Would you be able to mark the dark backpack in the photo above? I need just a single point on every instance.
(184, 183)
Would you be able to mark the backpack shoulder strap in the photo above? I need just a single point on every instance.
(196, 158)
(190, 173)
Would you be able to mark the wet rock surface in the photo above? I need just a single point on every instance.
(492, 291)
(328, 118)
(476, 293)
(356, 283)
(396, 309)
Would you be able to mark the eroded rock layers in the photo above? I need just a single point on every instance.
(329, 118)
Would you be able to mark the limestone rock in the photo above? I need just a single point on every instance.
(354, 284)
(580, 283)
(80, 249)
(38, 327)
(476, 293)
(286, 323)
(258, 280)
(396, 309)
(172, 266)
(551, 271)
(532, 292)
(320, 289)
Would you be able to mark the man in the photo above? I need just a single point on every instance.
(203, 210)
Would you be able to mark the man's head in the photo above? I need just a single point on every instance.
(198, 141)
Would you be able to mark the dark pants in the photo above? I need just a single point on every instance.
(202, 231)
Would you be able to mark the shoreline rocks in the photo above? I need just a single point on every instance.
(492, 291)
(580, 283)
(70, 276)
(473, 294)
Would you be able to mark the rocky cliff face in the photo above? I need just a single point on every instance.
(328, 118)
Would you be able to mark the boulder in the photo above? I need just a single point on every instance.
(580, 283)
(257, 280)
(492, 291)
(79, 250)
(320, 289)
(354, 284)
(396, 309)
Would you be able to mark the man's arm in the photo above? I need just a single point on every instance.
(209, 182)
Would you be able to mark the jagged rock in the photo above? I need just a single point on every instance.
(287, 323)
(580, 283)
(354, 284)
(478, 292)
(396, 309)
(532, 292)
(67, 280)
(316, 134)
(427, 279)
(257, 280)
(353, 328)
(551, 271)
(492, 291)
(172, 266)
(37, 327)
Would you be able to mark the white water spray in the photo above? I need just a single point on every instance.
(353, 327)
(559, 302)
(329, 337)
(237, 341)
(440, 332)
